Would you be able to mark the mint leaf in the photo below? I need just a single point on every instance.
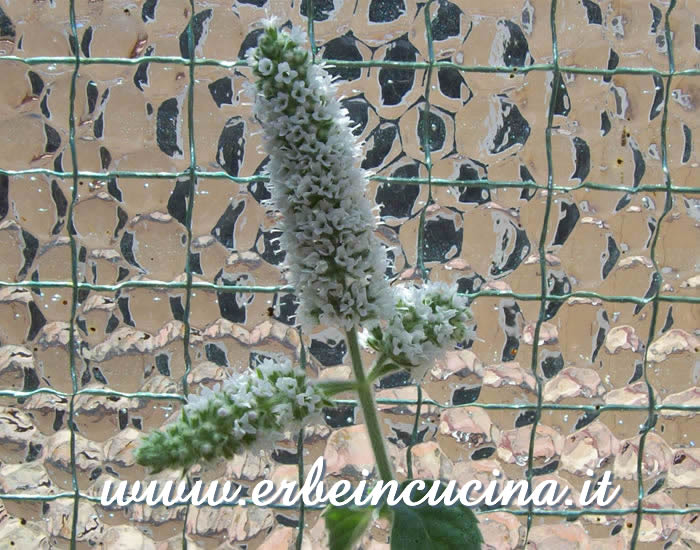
(346, 525)
(434, 527)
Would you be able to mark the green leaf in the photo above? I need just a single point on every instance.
(345, 525)
(434, 527)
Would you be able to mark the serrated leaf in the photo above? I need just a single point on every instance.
(434, 527)
(345, 525)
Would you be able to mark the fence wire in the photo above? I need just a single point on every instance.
(543, 297)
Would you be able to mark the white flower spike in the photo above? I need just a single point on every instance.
(427, 322)
(250, 410)
(335, 262)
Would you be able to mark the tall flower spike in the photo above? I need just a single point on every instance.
(427, 322)
(249, 410)
(335, 262)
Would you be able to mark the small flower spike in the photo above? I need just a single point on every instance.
(251, 409)
(335, 261)
(428, 321)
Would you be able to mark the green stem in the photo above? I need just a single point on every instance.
(332, 387)
(369, 409)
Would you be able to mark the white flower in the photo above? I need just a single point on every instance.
(279, 103)
(245, 423)
(300, 91)
(266, 66)
(238, 431)
(195, 403)
(317, 186)
(285, 73)
(296, 135)
(268, 367)
(201, 401)
(262, 388)
(320, 113)
(297, 35)
(309, 398)
(287, 385)
(300, 118)
(270, 21)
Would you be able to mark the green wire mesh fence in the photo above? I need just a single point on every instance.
(543, 297)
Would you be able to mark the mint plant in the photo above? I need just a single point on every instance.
(337, 266)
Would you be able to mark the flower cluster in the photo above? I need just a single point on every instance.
(248, 410)
(335, 261)
(428, 320)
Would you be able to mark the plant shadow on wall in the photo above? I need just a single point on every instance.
(338, 267)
